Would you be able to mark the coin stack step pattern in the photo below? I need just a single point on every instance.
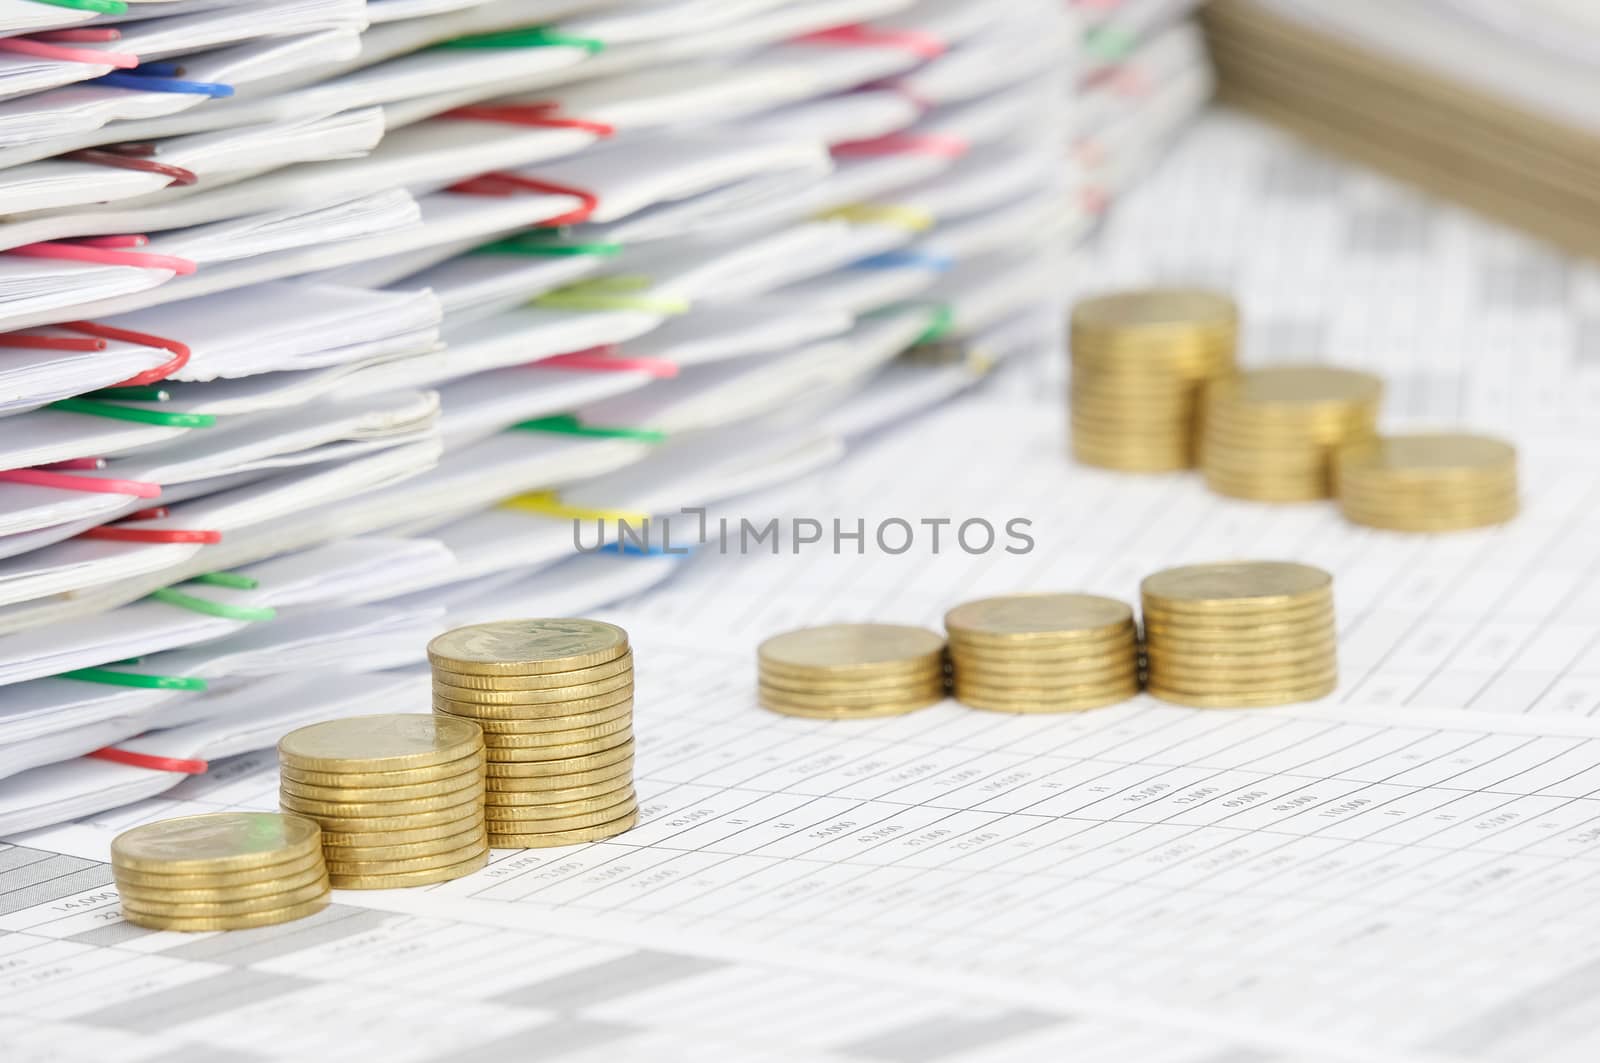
(1240, 634)
(1041, 653)
(1428, 483)
(554, 698)
(1271, 434)
(224, 871)
(1139, 362)
(851, 671)
(399, 797)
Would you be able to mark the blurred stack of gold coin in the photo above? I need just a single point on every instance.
(1240, 634)
(851, 671)
(555, 700)
(1270, 434)
(399, 797)
(1139, 361)
(1428, 483)
(224, 871)
(1043, 652)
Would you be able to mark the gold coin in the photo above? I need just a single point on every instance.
(400, 865)
(1046, 706)
(1244, 700)
(243, 906)
(333, 839)
(444, 787)
(553, 839)
(1233, 587)
(559, 768)
(577, 785)
(547, 724)
(527, 647)
(386, 850)
(467, 710)
(501, 755)
(379, 743)
(214, 843)
(1308, 491)
(163, 882)
(409, 821)
(577, 735)
(315, 809)
(875, 712)
(1315, 613)
(545, 825)
(845, 695)
(557, 797)
(605, 806)
(1244, 642)
(1174, 462)
(1436, 522)
(401, 879)
(450, 769)
(313, 872)
(622, 682)
(929, 692)
(1429, 458)
(1046, 652)
(245, 921)
(1159, 312)
(1021, 618)
(1412, 498)
(1243, 683)
(1295, 391)
(1243, 657)
(453, 684)
(896, 676)
(851, 649)
(1007, 678)
(1043, 692)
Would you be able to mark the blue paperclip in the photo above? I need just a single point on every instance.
(633, 550)
(155, 77)
(907, 260)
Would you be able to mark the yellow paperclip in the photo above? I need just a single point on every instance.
(612, 293)
(911, 219)
(549, 504)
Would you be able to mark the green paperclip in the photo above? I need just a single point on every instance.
(132, 394)
(1109, 42)
(535, 37)
(228, 579)
(211, 608)
(612, 293)
(546, 244)
(567, 425)
(128, 413)
(99, 7)
(134, 679)
(944, 322)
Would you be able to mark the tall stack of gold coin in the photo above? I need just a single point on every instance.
(1139, 361)
(851, 671)
(555, 701)
(1043, 652)
(1270, 434)
(1240, 634)
(224, 871)
(1428, 483)
(399, 797)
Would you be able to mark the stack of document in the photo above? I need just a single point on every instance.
(1489, 103)
(348, 348)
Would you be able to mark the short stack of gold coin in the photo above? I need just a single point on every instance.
(224, 871)
(851, 671)
(1240, 634)
(1139, 361)
(555, 700)
(1040, 653)
(1428, 483)
(399, 797)
(1271, 434)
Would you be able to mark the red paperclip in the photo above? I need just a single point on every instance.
(67, 482)
(27, 341)
(502, 183)
(46, 50)
(861, 35)
(181, 765)
(130, 240)
(544, 115)
(606, 360)
(153, 513)
(945, 147)
(79, 464)
(133, 160)
(180, 352)
(118, 534)
(104, 256)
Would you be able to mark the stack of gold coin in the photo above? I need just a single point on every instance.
(1271, 434)
(851, 671)
(1139, 361)
(225, 871)
(399, 797)
(1043, 652)
(555, 700)
(1240, 634)
(1428, 483)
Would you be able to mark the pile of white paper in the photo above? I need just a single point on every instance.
(322, 322)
